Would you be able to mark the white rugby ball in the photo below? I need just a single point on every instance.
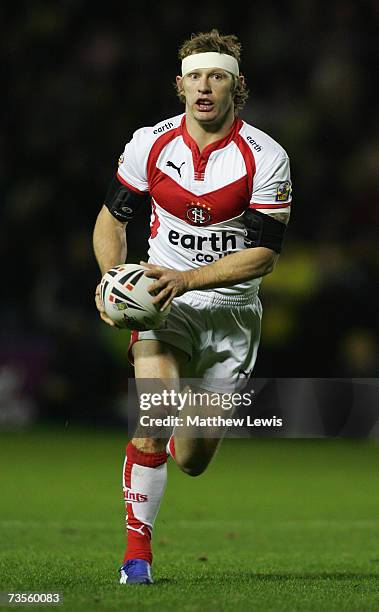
(124, 292)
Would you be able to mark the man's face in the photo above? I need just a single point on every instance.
(208, 94)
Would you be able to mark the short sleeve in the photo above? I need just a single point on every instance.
(132, 163)
(272, 188)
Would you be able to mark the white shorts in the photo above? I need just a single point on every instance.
(219, 333)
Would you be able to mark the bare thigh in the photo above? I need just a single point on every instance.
(156, 362)
(161, 363)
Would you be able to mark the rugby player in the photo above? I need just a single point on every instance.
(220, 193)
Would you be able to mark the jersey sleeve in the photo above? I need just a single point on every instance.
(272, 188)
(132, 163)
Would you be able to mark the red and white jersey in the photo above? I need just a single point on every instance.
(198, 199)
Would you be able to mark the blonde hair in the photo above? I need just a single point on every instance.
(214, 41)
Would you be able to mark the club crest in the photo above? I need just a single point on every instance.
(198, 214)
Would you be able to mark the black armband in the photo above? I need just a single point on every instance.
(122, 202)
(263, 230)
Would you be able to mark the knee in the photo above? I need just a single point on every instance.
(192, 461)
(192, 469)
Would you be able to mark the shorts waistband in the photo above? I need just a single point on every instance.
(211, 298)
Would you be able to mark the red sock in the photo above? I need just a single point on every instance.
(144, 482)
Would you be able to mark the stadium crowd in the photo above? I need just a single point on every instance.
(80, 79)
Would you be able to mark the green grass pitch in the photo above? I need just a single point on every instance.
(279, 525)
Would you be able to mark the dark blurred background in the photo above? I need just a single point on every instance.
(79, 79)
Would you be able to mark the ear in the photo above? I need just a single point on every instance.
(179, 83)
(241, 79)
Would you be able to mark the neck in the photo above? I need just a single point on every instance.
(204, 134)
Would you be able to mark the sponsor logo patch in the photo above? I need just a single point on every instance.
(254, 144)
(164, 127)
(283, 191)
(120, 159)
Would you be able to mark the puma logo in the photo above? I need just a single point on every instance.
(170, 163)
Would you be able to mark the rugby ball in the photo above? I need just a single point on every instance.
(124, 292)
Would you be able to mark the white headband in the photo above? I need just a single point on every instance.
(210, 60)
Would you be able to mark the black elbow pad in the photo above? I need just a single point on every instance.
(122, 202)
(263, 230)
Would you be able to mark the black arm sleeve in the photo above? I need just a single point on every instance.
(263, 230)
(123, 203)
